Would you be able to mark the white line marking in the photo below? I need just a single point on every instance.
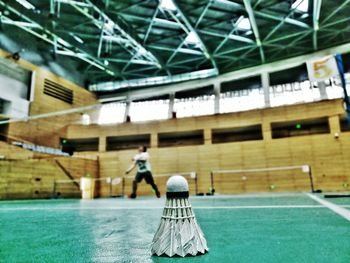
(261, 169)
(243, 196)
(335, 208)
(258, 207)
(159, 207)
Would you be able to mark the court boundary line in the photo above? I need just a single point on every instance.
(147, 199)
(340, 210)
(162, 207)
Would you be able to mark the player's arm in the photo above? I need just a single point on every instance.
(132, 166)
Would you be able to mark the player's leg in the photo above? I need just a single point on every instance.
(137, 179)
(149, 180)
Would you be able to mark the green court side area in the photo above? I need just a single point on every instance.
(248, 228)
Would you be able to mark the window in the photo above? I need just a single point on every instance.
(195, 102)
(168, 139)
(149, 110)
(344, 125)
(300, 127)
(125, 142)
(292, 93)
(237, 134)
(198, 106)
(79, 145)
(112, 113)
(241, 100)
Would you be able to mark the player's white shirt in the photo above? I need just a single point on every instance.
(141, 156)
(143, 164)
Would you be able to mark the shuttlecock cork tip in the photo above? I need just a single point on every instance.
(176, 184)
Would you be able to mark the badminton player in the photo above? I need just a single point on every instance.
(141, 160)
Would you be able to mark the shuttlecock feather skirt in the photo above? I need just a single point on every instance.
(178, 232)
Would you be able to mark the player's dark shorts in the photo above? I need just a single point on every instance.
(147, 175)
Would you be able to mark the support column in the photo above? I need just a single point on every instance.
(322, 88)
(334, 125)
(265, 81)
(127, 111)
(94, 115)
(207, 136)
(217, 88)
(171, 105)
(154, 140)
(266, 130)
(102, 145)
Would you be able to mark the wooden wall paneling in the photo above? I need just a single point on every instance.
(274, 114)
(43, 103)
(344, 141)
(279, 152)
(334, 124)
(185, 124)
(154, 140)
(327, 156)
(207, 136)
(34, 178)
(14, 152)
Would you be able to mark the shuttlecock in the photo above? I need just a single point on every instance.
(178, 232)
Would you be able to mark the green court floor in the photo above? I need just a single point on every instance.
(277, 228)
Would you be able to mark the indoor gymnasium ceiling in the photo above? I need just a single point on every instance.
(125, 42)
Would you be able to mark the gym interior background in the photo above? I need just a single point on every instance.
(243, 96)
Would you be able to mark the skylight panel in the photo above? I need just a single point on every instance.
(26, 4)
(244, 24)
(167, 5)
(192, 38)
(301, 5)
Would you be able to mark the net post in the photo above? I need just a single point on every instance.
(311, 180)
(195, 183)
(212, 182)
(123, 186)
(110, 188)
(54, 189)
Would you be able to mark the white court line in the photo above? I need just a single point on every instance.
(242, 196)
(161, 207)
(335, 208)
(258, 207)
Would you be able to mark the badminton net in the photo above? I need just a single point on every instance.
(160, 180)
(66, 188)
(104, 187)
(270, 179)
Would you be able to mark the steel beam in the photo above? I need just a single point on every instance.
(315, 20)
(335, 12)
(150, 26)
(230, 36)
(192, 29)
(286, 20)
(203, 14)
(251, 16)
(266, 14)
(108, 26)
(53, 39)
(181, 50)
(240, 74)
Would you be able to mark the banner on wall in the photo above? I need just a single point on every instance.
(322, 69)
